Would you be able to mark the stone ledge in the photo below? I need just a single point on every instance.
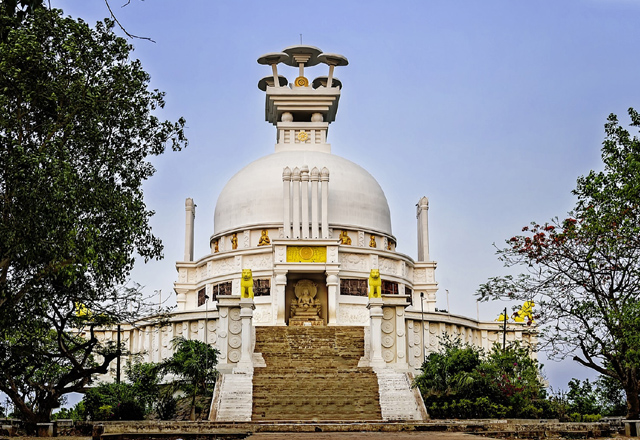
(496, 428)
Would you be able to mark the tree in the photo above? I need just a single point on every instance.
(583, 272)
(130, 400)
(77, 125)
(193, 361)
(464, 381)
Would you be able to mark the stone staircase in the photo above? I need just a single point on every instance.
(398, 401)
(232, 398)
(312, 373)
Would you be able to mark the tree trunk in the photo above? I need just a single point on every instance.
(633, 402)
(192, 417)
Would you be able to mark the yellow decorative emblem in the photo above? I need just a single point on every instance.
(303, 136)
(306, 254)
(246, 284)
(301, 81)
(375, 284)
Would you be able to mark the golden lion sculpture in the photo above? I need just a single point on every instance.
(375, 284)
(246, 284)
(502, 318)
(525, 312)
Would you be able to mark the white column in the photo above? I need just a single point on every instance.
(304, 187)
(223, 332)
(296, 203)
(423, 229)
(149, 331)
(281, 284)
(190, 209)
(401, 342)
(324, 179)
(333, 290)
(245, 364)
(375, 317)
(315, 177)
(157, 347)
(286, 194)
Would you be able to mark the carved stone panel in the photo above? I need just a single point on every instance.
(387, 266)
(353, 262)
(351, 314)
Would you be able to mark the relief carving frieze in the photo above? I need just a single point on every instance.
(420, 276)
(349, 314)
(254, 262)
(387, 266)
(263, 314)
(225, 266)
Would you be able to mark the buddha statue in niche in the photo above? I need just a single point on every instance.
(306, 307)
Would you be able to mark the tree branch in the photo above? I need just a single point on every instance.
(106, 2)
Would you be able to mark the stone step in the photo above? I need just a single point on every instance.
(397, 399)
(234, 401)
(305, 375)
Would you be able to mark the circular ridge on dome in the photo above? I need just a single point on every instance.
(254, 195)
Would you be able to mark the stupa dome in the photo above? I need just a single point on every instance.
(253, 197)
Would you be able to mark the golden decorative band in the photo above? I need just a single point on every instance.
(306, 254)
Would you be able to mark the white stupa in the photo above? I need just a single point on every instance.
(301, 222)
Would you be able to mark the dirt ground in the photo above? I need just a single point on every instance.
(336, 436)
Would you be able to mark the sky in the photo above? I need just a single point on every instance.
(491, 109)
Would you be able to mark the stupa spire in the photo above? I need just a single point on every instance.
(301, 110)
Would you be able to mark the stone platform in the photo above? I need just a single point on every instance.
(432, 430)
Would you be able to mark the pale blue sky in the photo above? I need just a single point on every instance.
(490, 108)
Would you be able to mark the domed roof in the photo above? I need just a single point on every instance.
(254, 196)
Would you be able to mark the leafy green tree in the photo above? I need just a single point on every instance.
(144, 378)
(77, 126)
(130, 400)
(18, 9)
(194, 362)
(77, 413)
(464, 381)
(582, 397)
(611, 396)
(583, 272)
(113, 401)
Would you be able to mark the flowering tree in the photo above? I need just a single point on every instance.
(583, 272)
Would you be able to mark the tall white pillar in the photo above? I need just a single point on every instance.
(423, 229)
(286, 194)
(281, 284)
(295, 178)
(315, 177)
(324, 181)
(245, 364)
(333, 290)
(375, 317)
(190, 209)
(304, 187)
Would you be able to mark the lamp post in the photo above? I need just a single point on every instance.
(504, 331)
(422, 324)
(119, 353)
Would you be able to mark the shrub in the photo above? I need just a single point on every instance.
(113, 402)
(166, 407)
(505, 383)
